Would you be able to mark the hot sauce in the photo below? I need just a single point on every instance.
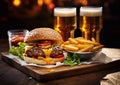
(17, 38)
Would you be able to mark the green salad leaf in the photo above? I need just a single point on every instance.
(72, 60)
(18, 51)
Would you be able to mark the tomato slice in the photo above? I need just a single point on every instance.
(59, 56)
(45, 43)
(31, 44)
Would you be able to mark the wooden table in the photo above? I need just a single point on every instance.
(92, 76)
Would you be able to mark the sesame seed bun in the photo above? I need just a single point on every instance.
(43, 34)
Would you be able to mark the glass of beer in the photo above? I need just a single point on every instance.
(65, 22)
(91, 22)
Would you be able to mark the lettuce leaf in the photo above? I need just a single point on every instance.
(72, 60)
(18, 51)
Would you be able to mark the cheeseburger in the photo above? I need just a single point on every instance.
(43, 46)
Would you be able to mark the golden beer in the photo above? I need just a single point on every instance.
(91, 22)
(65, 22)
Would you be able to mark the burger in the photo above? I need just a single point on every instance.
(43, 46)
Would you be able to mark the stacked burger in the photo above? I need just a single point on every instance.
(43, 46)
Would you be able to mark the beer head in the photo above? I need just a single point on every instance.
(91, 11)
(65, 12)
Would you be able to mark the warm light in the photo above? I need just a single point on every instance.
(84, 2)
(47, 2)
(51, 6)
(40, 2)
(16, 2)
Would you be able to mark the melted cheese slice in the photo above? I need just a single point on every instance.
(47, 53)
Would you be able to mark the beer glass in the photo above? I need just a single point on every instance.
(91, 22)
(65, 22)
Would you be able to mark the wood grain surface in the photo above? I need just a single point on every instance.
(45, 74)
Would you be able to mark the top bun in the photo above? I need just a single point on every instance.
(43, 34)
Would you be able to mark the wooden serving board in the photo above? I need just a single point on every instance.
(45, 74)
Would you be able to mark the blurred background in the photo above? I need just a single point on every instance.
(30, 14)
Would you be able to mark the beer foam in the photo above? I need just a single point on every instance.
(65, 12)
(91, 11)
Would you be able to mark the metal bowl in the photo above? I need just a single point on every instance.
(84, 55)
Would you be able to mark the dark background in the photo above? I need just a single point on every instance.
(29, 15)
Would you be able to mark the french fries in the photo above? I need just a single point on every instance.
(70, 47)
(97, 47)
(86, 49)
(80, 44)
(73, 41)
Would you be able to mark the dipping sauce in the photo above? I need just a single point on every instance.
(16, 36)
(16, 39)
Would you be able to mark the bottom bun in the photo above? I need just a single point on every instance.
(43, 61)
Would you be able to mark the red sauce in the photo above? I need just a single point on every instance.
(16, 39)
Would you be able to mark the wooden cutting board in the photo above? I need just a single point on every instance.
(45, 74)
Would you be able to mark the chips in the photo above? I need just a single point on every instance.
(80, 44)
